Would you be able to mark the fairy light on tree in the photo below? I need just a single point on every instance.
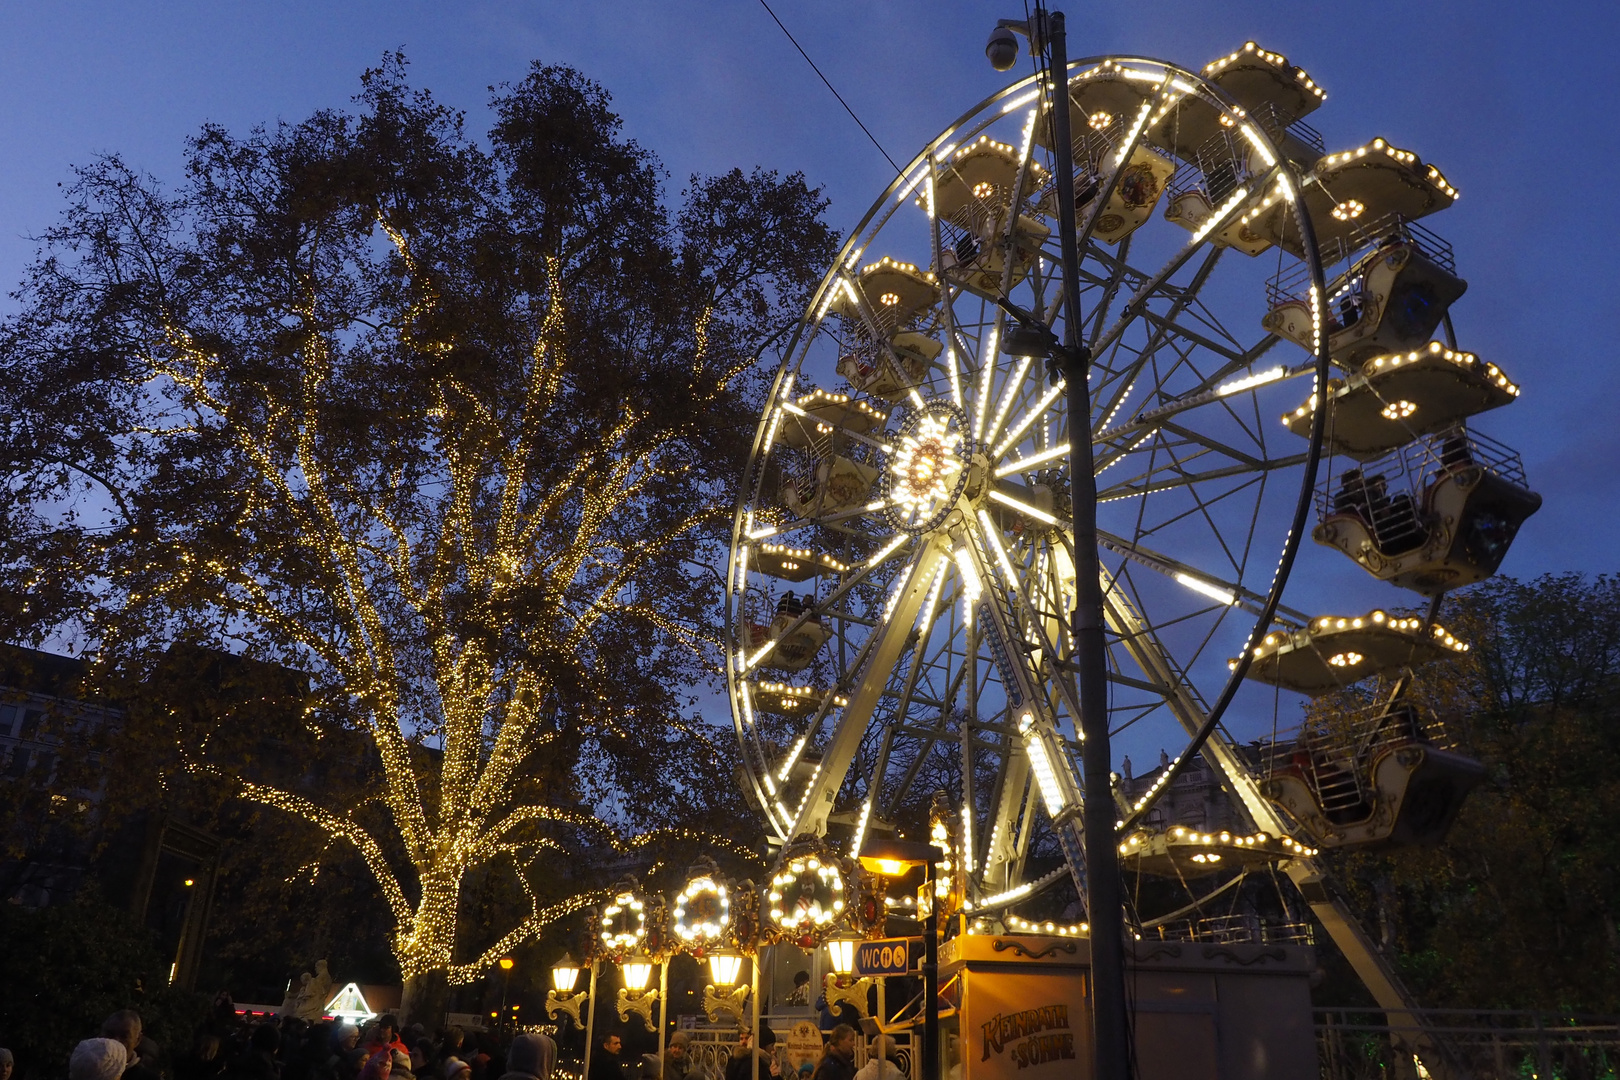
(440, 424)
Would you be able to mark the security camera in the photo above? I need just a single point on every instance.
(1002, 48)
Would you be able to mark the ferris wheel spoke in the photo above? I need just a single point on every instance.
(887, 644)
(1211, 586)
(1217, 220)
(1126, 378)
(1210, 393)
(1133, 487)
(1117, 274)
(1169, 325)
(1143, 645)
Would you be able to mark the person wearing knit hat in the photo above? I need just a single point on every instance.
(678, 1057)
(531, 1057)
(98, 1059)
(402, 1065)
(454, 1067)
(6, 1064)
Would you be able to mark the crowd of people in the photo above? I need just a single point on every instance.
(230, 1047)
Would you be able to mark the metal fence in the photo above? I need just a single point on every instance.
(1482, 1044)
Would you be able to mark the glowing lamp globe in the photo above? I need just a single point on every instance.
(636, 973)
(841, 951)
(565, 974)
(725, 967)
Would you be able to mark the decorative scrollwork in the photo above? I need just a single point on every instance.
(853, 995)
(1157, 950)
(565, 1002)
(732, 1001)
(640, 1002)
(1002, 945)
(1213, 951)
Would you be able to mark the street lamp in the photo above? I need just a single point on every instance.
(561, 996)
(1071, 360)
(894, 858)
(635, 997)
(506, 982)
(724, 967)
(723, 994)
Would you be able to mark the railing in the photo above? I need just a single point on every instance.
(1216, 168)
(1243, 928)
(1279, 122)
(1292, 283)
(1483, 1044)
(1391, 493)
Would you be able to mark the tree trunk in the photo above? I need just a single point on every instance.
(427, 995)
(426, 959)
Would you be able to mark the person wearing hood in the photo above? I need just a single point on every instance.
(98, 1059)
(531, 1057)
(880, 1063)
(6, 1064)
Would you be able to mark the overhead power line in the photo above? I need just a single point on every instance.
(829, 85)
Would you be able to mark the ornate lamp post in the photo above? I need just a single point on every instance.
(895, 858)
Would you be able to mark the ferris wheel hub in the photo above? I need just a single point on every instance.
(932, 462)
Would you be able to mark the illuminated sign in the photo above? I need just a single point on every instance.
(1032, 1037)
(890, 956)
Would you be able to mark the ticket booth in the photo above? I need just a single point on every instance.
(1017, 1007)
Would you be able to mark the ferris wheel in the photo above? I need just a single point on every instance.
(902, 567)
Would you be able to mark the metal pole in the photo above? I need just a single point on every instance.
(663, 1008)
(928, 1063)
(1111, 1049)
(590, 1024)
(753, 997)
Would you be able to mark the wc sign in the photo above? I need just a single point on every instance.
(890, 956)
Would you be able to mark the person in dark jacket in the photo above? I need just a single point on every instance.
(838, 1058)
(258, 1062)
(205, 1062)
(764, 1057)
(605, 1058)
(531, 1057)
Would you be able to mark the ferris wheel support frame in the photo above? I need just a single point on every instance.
(1199, 720)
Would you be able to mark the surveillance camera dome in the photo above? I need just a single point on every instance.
(1002, 48)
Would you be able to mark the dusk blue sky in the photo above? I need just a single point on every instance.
(1509, 100)
(1512, 102)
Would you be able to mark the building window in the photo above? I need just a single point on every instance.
(8, 717)
(19, 762)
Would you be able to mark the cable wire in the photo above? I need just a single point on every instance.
(830, 86)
